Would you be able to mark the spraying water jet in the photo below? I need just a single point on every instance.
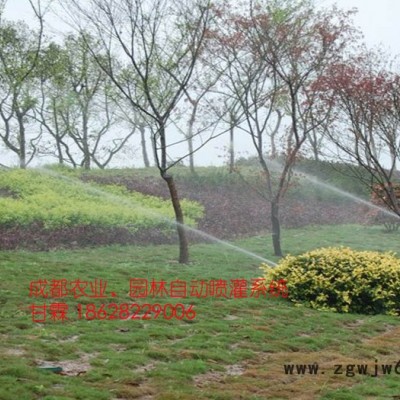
(316, 181)
(121, 200)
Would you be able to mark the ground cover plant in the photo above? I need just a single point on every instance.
(51, 201)
(234, 347)
(55, 210)
(34, 196)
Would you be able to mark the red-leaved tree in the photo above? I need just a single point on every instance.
(272, 53)
(365, 125)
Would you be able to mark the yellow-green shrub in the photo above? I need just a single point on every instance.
(64, 201)
(342, 279)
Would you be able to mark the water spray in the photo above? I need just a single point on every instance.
(122, 200)
(316, 181)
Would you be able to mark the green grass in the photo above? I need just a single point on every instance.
(232, 349)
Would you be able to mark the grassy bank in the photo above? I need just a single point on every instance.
(234, 348)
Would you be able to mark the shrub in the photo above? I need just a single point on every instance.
(342, 280)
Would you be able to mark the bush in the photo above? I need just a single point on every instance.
(342, 280)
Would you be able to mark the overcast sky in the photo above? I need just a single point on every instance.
(378, 20)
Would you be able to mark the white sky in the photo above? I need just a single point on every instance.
(378, 20)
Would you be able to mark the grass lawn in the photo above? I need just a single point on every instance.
(234, 348)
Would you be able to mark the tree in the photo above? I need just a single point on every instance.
(19, 57)
(78, 107)
(365, 128)
(227, 110)
(52, 94)
(195, 105)
(160, 41)
(135, 121)
(274, 51)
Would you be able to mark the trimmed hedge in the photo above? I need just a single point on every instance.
(342, 280)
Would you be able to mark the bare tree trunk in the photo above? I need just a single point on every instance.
(154, 148)
(393, 158)
(313, 140)
(316, 153)
(274, 153)
(85, 144)
(162, 167)
(276, 228)
(231, 149)
(57, 135)
(183, 242)
(144, 149)
(59, 150)
(189, 136)
(191, 156)
(22, 141)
